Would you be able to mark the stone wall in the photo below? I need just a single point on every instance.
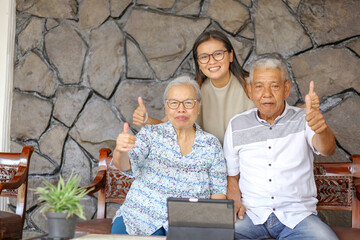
(81, 64)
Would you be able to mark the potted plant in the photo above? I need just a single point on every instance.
(62, 205)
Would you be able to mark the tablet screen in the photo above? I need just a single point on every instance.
(210, 213)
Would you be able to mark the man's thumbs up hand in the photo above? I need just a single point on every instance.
(308, 106)
(314, 117)
(315, 102)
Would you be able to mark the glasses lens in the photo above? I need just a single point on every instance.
(203, 58)
(218, 55)
(173, 104)
(189, 104)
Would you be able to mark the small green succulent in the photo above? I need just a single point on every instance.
(63, 198)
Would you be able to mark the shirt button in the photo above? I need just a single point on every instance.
(273, 209)
(269, 147)
(269, 164)
(272, 197)
(270, 128)
(269, 180)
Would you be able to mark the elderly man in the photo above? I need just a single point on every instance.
(269, 154)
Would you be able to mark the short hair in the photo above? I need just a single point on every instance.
(183, 80)
(269, 62)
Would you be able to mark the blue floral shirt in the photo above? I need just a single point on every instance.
(161, 171)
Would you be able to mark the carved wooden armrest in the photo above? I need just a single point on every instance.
(20, 175)
(16, 181)
(98, 183)
(356, 172)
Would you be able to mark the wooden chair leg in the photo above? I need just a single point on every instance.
(356, 211)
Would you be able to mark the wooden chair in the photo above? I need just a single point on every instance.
(338, 189)
(14, 169)
(112, 187)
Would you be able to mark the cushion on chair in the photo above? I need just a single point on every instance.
(95, 226)
(345, 233)
(10, 225)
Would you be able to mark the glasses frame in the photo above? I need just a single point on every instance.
(223, 55)
(180, 102)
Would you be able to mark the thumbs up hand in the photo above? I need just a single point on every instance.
(125, 141)
(315, 102)
(314, 117)
(139, 115)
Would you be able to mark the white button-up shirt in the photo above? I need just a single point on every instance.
(275, 163)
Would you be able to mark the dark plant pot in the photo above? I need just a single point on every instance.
(59, 226)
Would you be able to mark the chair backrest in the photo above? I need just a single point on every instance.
(14, 170)
(338, 187)
(117, 185)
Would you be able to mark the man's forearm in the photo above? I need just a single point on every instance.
(325, 142)
(234, 194)
(233, 190)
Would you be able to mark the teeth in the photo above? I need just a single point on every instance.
(213, 68)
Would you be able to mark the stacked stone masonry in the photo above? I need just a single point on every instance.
(81, 64)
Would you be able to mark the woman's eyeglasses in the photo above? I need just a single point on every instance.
(174, 104)
(218, 55)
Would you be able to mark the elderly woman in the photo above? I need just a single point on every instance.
(171, 159)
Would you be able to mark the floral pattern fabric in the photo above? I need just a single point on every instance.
(161, 171)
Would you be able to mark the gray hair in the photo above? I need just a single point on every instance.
(183, 80)
(269, 62)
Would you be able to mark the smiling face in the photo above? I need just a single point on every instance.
(268, 90)
(182, 118)
(217, 71)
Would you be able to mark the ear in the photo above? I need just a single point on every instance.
(231, 56)
(248, 88)
(287, 88)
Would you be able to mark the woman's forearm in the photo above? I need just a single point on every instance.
(153, 121)
(218, 196)
(121, 160)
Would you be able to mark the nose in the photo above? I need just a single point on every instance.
(267, 91)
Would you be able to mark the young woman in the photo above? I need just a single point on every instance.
(222, 81)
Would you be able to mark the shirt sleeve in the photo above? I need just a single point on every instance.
(231, 155)
(217, 173)
(309, 136)
(139, 154)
